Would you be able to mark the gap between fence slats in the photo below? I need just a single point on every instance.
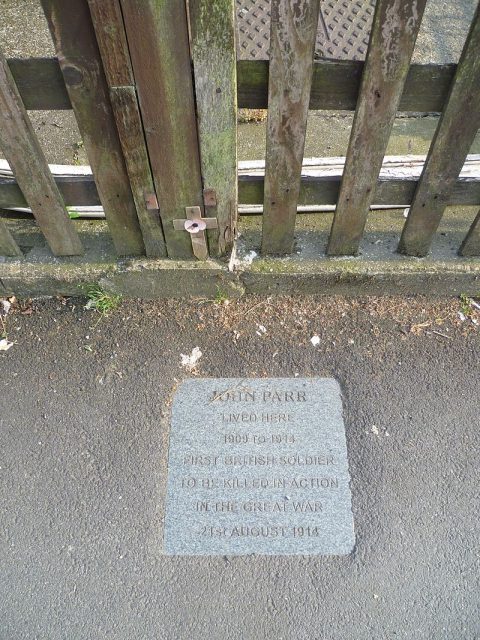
(451, 143)
(158, 41)
(25, 156)
(214, 62)
(8, 246)
(394, 31)
(108, 23)
(292, 45)
(74, 38)
(471, 245)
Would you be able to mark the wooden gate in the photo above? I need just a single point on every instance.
(127, 74)
(153, 84)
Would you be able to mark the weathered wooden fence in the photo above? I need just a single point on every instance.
(155, 87)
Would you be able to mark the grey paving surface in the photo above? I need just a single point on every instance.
(83, 448)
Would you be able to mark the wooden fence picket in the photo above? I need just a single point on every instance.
(451, 143)
(157, 34)
(74, 38)
(292, 45)
(212, 28)
(394, 31)
(25, 156)
(109, 28)
(107, 21)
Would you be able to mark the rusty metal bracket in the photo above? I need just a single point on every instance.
(195, 225)
(151, 202)
(210, 198)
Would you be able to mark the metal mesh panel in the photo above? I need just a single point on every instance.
(343, 29)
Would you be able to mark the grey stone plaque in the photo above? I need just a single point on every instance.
(258, 466)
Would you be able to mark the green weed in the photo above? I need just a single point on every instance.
(72, 213)
(466, 305)
(101, 300)
(221, 297)
(77, 146)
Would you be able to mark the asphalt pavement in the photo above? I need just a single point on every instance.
(84, 420)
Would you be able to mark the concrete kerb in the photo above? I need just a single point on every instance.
(152, 279)
(147, 279)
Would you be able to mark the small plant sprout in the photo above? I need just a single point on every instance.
(77, 146)
(72, 213)
(466, 307)
(469, 310)
(101, 300)
(221, 297)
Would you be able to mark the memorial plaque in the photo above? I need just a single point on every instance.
(258, 466)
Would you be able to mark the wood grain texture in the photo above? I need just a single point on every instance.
(8, 246)
(74, 38)
(214, 61)
(158, 40)
(325, 190)
(335, 85)
(471, 245)
(199, 239)
(24, 154)
(130, 129)
(292, 44)
(40, 83)
(451, 143)
(112, 41)
(394, 31)
(76, 191)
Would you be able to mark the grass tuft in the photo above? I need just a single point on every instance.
(101, 301)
